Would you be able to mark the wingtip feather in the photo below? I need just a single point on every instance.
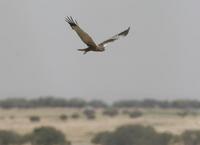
(71, 22)
(127, 31)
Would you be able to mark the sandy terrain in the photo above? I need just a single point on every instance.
(81, 130)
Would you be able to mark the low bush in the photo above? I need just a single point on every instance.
(47, 136)
(102, 138)
(34, 118)
(191, 137)
(133, 135)
(63, 117)
(12, 117)
(135, 114)
(111, 112)
(182, 113)
(39, 136)
(9, 138)
(75, 116)
(125, 111)
(187, 113)
(89, 113)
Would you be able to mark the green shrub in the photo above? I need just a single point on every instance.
(190, 137)
(63, 117)
(182, 113)
(47, 136)
(135, 114)
(34, 118)
(26, 138)
(12, 117)
(89, 113)
(111, 112)
(164, 138)
(125, 111)
(132, 135)
(9, 138)
(75, 116)
(102, 138)
(187, 113)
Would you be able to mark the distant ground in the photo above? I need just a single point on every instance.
(81, 130)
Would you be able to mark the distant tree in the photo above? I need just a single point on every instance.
(48, 101)
(97, 104)
(185, 104)
(126, 103)
(150, 103)
(77, 103)
(51, 101)
(14, 103)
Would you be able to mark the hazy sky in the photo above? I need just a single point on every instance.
(159, 58)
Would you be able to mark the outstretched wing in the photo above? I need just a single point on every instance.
(116, 37)
(83, 35)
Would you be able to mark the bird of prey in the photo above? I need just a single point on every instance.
(86, 38)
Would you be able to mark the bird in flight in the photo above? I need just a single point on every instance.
(86, 38)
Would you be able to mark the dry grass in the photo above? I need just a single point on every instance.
(81, 130)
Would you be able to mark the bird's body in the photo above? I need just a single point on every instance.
(92, 46)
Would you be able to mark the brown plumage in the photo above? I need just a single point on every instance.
(92, 46)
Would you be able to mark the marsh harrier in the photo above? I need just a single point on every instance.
(86, 38)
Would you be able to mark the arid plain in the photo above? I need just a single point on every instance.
(81, 130)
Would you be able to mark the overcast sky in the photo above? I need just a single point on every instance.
(159, 58)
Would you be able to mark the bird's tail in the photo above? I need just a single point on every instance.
(85, 50)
